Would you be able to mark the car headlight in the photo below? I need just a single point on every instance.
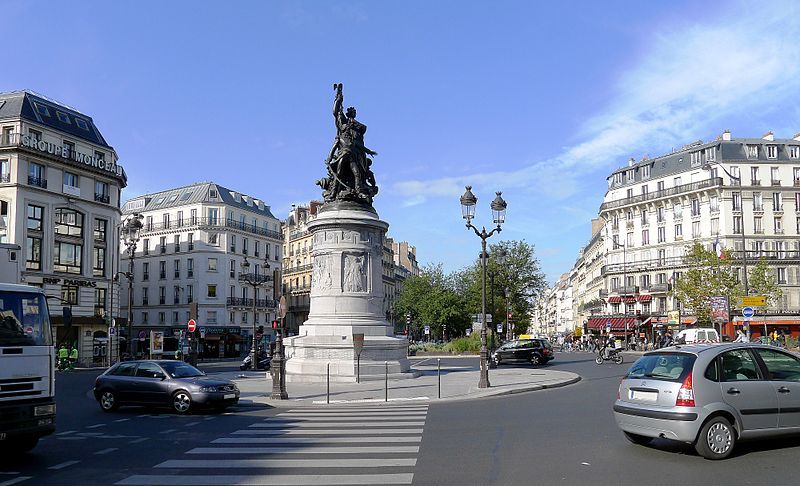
(208, 389)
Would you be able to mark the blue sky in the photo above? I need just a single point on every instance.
(538, 100)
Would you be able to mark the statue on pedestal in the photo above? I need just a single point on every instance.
(350, 177)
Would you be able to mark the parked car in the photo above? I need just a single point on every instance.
(533, 351)
(162, 383)
(710, 396)
(699, 335)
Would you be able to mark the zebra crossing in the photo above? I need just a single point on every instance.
(345, 445)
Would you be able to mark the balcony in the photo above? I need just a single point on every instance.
(672, 191)
(5, 178)
(298, 269)
(71, 190)
(300, 289)
(248, 303)
(797, 183)
(755, 183)
(758, 231)
(257, 278)
(103, 198)
(213, 223)
(642, 265)
(37, 181)
(776, 182)
(778, 231)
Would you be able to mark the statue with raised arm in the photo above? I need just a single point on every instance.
(350, 177)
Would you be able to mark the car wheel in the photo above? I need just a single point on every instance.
(638, 439)
(108, 401)
(181, 402)
(716, 439)
(599, 360)
(536, 359)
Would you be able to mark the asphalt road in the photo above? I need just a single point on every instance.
(561, 436)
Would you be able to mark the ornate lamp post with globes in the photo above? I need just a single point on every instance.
(468, 202)
(131, 228)
(255, 280)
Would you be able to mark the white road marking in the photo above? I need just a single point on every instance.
(106, 451)
(96, 426)
(168, 431)
(137, 441)
(90, 434)
(323, 411)
(191, 424)
(63, 465)
(287, 463)
(307, 450)
(67, 432)
(327, 432)
(283, 419)
(277, 480)
(313, 440)
(122, 420)
(209, 418)
(317, 424)
(353, 414)
(72, 438)
(15, 480)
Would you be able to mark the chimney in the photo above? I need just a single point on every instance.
(726, 135)
(769, 136)
(631, 162)
(796, 137)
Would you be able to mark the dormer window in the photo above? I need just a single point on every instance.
(212, 193)
(694, 158)
(630, 176)
(82, 124)
(772, 151)
(62, 117)
(42, 109)
(711, 154)
(645, 171)
(751, 151)
(794, 151)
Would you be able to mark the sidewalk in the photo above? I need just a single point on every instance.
(457, 383)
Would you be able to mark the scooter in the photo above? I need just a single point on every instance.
(614, 355)
(263, 362)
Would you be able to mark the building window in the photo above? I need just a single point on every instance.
(713, 203)
(757, 227)
(162, 269)
(772, 151)
(777, 202)
(145, 296)
(69, 295)
(276, 253)
(694, 158)
(211, 317)
(645, 171)
(99, 262)
(180, 218)
(696, 229)
(189, 294)
(256, 247)
(33, 253)
(775, 176)
(715, 226)
(737, 224)
(177, 242)
(233, 269)
(781, 271)
(99, 302)
(213, 216)
(754, 179)
(145, 271)
(162, 317)
(645, 238)
(678, 231)
(778, 225)
(737, 201)
(176, 295)
(145, 246)
(35, 217)
(148, 223)
(661, 214)
(695, 207)
(758, 204)
(36, 175)
(62, 117)
(174, 317)
(165, 220)
(751, 151)
(68, 222)
(71, 181)
(212, 291)
(67, 257)
(662, 257)
(794, 151)
(193, 217)
(212, 264)
(662, 234)
(244, 246)
(190, 242)
(233, 243)
(162, 248)
(213, 239)
(190, 268)
(677, 211)
(177, 269)
(162, 295)
(100, 229)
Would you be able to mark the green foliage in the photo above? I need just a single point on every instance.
(431, 300)
(707, 276)
(468, 344)
(762, 281)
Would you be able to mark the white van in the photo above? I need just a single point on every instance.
(698, 336)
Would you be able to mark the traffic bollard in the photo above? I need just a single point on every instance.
(329, 385)
(386, 381)
(439, 374)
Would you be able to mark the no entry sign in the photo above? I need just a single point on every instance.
(191, 325)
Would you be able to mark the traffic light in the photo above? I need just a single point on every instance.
(408, 318)
(274, 324)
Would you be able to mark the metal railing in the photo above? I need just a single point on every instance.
(37, 181)
(242, 302)
(5, 178)
(103, 198)
(672, 191)
(257, 278)
(298, 269)
(213, 222)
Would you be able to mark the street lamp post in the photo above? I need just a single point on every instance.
(130, 233)
(498, 206)
(255, 280)
(509, 332)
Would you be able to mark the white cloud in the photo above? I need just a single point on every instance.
(689, 80)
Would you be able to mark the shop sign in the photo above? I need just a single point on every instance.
(69, 281)
(219, 330)
(71, 154)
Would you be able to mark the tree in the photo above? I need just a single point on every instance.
(708, 275)
(431, 300)
(763, 282)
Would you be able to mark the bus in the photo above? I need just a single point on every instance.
(27, 368)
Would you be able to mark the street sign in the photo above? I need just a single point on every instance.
(478, 318)
(427, 329)
(282, 307)
(358, 343)
(748, 312)
(112, 330)
(191, 325)
(499, 328)
(753, 301)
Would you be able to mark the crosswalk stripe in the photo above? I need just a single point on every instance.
(353, 414)
(326, 432)
(359, 409)
(307, 450)
(287, 463)
(15, 480)
(331, 418)
(312, 440)
(311, 425)
(277, 480)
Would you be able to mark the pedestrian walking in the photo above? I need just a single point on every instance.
(73, 357)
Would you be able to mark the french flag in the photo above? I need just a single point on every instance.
(720, 250)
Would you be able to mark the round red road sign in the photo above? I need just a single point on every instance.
(191, 325)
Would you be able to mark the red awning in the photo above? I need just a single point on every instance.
(617, 323)
(629, 299)
(645, 298)
(614, 299)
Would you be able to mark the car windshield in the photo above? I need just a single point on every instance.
(177, 369)
(662, 366)
(546, 344)
(24, 320)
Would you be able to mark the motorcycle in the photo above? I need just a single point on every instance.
(614, 355)
(65, 364)
(263, 362)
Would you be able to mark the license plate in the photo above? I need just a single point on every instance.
(230, 395)
(644, 396)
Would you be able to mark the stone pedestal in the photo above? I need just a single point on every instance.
(346, 298)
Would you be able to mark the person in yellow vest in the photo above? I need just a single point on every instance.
(63, 354)
(73, 357)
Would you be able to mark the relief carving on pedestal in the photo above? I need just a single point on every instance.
(321, 278)
(354, 276)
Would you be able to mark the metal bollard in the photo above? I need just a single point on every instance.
(439, 374)
(386, 381)
(329, 384)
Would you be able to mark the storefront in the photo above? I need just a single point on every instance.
(221, 342)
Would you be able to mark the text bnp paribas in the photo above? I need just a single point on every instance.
(74, 155)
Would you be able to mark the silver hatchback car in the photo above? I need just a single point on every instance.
(710, 395)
